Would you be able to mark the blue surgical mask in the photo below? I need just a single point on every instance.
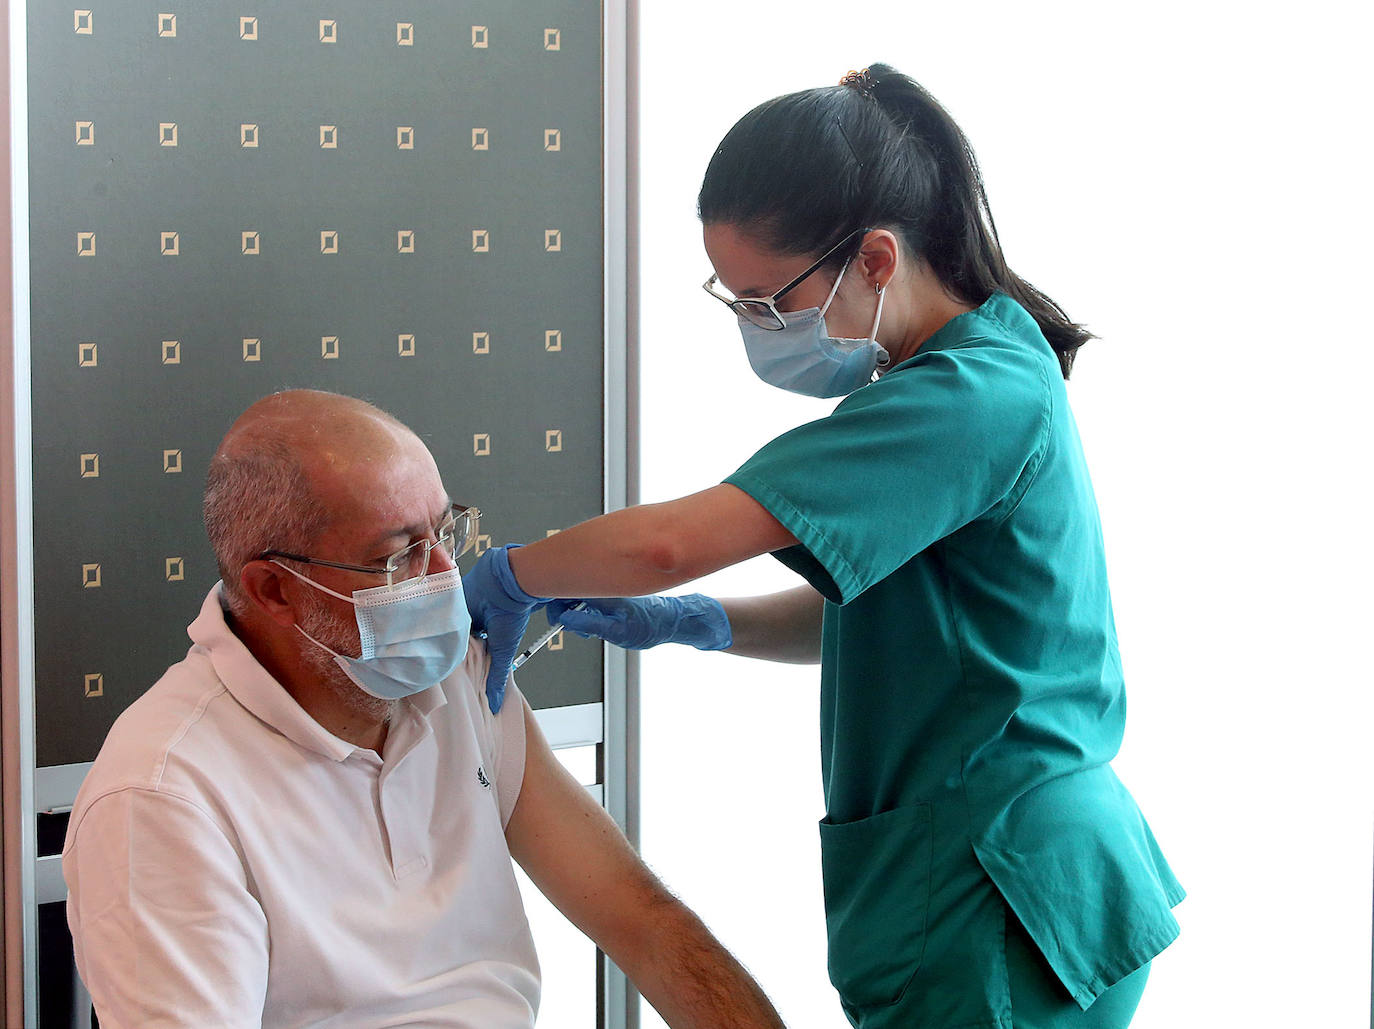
(413, 636)
(803, 357)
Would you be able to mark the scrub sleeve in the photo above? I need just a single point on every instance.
(971, 694)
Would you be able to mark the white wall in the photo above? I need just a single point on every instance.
(1192, 181)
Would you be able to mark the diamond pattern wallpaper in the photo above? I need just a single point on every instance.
(393, 200)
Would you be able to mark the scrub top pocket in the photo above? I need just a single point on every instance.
(876, 875)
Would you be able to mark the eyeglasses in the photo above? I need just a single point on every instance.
(455, 533)
(763, 311)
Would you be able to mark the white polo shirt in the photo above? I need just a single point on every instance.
(231, 863)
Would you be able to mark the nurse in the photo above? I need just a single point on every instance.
(982, 863)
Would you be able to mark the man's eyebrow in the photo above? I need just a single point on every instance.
(411, 531)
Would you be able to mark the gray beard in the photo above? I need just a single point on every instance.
(341, 637)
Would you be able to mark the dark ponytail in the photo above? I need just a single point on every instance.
(800, 171)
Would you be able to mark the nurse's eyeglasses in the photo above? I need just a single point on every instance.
(455, 533)
(763, 311)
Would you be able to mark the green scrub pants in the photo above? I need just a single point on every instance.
(1039, 1000)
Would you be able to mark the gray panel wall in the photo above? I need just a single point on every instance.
(398, 201)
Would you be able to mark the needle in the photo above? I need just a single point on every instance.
(538, 644)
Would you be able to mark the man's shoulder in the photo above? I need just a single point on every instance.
(154, 733)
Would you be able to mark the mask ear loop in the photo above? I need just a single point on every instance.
(333, 653)
(324, 589)
(836, 288)
(319, 586)
(883, 356)
(297, 626)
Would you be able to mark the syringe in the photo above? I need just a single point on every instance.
(538, 644)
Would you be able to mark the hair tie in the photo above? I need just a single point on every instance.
(861, 82)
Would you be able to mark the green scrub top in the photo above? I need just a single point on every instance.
(972, 694)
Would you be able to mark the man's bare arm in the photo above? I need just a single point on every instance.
(580, 860)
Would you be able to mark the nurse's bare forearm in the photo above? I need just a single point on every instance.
(782, 626)
(649, 548)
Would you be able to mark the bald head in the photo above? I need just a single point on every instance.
(290, 464)
(311, 421)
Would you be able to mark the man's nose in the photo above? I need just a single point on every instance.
(440, 561)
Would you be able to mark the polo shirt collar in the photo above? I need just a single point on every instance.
(258, 692)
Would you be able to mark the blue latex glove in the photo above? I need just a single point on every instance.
(636, 623)
(501, 609)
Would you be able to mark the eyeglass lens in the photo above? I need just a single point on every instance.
(758, 312)
(454, 534)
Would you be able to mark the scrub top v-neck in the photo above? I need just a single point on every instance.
(972, 694)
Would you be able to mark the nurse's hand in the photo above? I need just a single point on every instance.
(501, 609)
(637, 623)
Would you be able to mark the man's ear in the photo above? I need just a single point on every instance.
(264, 582)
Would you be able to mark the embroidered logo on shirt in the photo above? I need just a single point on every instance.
(482, 777)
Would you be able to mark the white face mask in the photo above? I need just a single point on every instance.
(803, 357)
(413, 636)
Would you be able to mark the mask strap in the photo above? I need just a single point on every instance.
(319, 586)
(883, 357)
(316, 642)
(835, 288)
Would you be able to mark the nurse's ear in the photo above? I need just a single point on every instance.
(264, 584)
(879, 258)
